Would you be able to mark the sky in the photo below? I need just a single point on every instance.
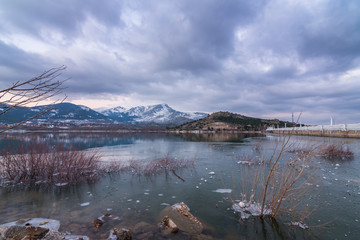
(261, 58)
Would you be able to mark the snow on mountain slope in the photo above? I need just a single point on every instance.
(113, 111)
(160, 113)
(62, 112)
(78, 114)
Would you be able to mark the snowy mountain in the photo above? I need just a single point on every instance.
(67, 113)
(160, 113)
(118, 114)
(59, 113)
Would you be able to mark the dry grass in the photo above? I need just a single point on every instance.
(37, 164)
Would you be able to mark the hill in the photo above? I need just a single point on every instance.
(226, 121)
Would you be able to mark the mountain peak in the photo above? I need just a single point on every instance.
(158, 113)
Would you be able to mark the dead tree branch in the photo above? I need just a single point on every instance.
(31, 93)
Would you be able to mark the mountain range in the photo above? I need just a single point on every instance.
(68, 113)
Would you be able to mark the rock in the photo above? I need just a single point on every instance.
(98, 223)
(169, 225)
(34, 233)
(54, 235)
(23, 232)
(76, 237)
(122, 233)
(182, 218)
(12, 232)
(33, 229)
(35, 222)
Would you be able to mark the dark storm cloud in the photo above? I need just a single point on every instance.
(260, 58)
(203, 36)
(21, 62)
(65, 16)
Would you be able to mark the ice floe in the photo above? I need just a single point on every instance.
(247, 209)
(300, 225)
(223, 190)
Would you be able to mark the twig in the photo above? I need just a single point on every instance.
(173, 171)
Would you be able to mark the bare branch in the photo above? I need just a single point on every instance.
(31, 92)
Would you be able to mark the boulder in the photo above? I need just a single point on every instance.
(98, 223)
(182, 218)
(122, 233)
(169, 225)
(35, 222)
(54, 235)
(34, 233)
(34, 229)
(22, 232)
(12, 232)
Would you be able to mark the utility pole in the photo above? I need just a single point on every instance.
(292, 117)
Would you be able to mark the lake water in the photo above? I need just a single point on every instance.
(131, 199)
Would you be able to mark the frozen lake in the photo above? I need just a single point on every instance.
(209, 189)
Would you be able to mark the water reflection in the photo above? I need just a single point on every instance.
(94, 140)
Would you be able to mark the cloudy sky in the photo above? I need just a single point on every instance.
(258, 58)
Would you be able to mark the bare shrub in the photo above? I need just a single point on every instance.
(301, 150)
(248, 159)
(166, 164)
(337, 152)
(37, 164)
(112, 167)
(136, 167)
(277, 186)
(158, 166)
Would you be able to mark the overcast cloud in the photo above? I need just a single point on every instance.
(258, 58)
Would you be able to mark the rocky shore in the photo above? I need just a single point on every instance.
(175, 222)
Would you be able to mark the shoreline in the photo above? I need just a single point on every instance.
(319, 133)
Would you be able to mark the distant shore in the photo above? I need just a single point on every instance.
(319, 133)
